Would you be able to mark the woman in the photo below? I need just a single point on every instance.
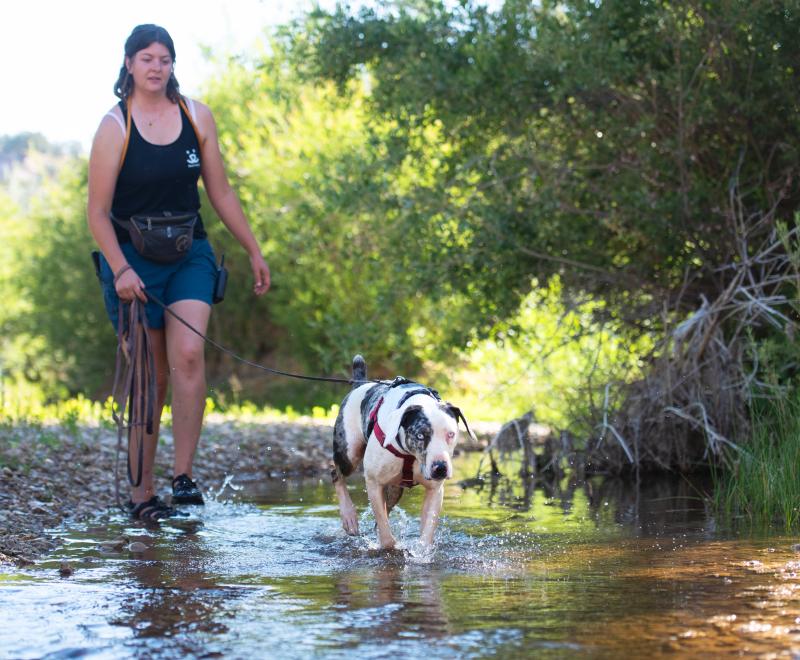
(169, 145)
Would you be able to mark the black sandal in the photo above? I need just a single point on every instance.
(153, 510)
(185, 491)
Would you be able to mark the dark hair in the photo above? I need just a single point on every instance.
(141, 37)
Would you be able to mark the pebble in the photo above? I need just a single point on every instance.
(38, 508)
(65, 570)
(137, 546)
(115, 545)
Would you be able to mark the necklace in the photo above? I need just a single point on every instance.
(152, 119)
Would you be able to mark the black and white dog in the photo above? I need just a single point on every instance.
(406, 436)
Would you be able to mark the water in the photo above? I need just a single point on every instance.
(592, 570)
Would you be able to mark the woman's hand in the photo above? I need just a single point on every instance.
(261, 276)
(129, 285)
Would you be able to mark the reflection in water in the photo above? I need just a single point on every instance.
(551, 569)
(171, 594)
(654, 504)
(420, 612)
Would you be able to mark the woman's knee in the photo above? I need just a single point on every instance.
(187, 357)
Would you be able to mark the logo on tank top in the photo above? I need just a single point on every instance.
(192, 159)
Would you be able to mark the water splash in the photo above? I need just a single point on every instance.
(226, 483)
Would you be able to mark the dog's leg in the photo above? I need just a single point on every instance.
(375, 492)
(347, 510)
(346, 458)
(431, 508)
(392, 495)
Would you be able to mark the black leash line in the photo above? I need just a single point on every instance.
(400, 380)
(255, 365)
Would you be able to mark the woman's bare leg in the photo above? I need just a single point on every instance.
(187, 374)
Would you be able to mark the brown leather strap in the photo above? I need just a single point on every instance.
(134, 388)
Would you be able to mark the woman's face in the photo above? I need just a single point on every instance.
(151, 67)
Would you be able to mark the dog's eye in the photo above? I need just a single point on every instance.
(450, 436)
(420, 436)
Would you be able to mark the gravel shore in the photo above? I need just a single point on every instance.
(54, 474)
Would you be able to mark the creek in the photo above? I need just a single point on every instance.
(596, 569)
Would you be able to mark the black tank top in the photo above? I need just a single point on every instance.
(157, 177)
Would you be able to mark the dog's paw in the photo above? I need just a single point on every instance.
(349, 519)
(387, 543)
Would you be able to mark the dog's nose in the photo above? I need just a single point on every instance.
(439, 470)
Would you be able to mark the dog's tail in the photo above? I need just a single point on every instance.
(359, 370)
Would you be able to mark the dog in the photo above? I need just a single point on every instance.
(405, 435)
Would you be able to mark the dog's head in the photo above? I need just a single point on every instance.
(430, 433)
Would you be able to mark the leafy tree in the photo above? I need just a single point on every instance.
(63, 338)
(590, 139)
(310, 177)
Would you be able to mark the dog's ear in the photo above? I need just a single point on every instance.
(410, 415)
(393, 423)
(456, 414)
(451, 410)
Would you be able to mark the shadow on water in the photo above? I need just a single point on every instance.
(552, 569)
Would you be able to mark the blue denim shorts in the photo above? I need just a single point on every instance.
(191, 278)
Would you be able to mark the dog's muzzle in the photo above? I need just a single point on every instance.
(439, 470)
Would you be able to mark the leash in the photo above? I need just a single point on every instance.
(255, 365)
(399, 380)
(134, 388)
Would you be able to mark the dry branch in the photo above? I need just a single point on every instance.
(692, 407)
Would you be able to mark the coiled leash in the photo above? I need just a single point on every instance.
(134, 388)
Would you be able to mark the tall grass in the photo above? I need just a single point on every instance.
(763, 488)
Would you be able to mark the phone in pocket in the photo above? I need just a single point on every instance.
(96, 262)
(221, 281)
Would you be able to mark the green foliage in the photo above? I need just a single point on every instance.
(309, 178)
(16, 235)
(594, 140)
(549, 357)
(56, 332)
(26, 404)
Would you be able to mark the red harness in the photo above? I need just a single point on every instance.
(408, 459)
